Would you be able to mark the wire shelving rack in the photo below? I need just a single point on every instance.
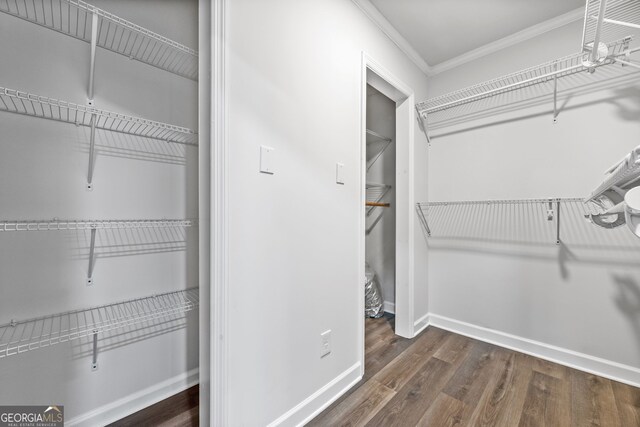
(62, 225)
(538, 222)
(449, 106)
(15, 101)
(75, 18)
(18, 337)
(374, 138)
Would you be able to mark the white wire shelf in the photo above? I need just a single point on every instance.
(15, 101)
(375, 139)
(375, 194)
(621, 18)
(448, 106)
(19, 337)
(74, 18)
(537, 222)
(62, 225)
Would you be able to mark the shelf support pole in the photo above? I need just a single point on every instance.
(94, 43)
(596, 40)
(94, 357)
(422, 122)
(92, 144)
(92, 256)
(555, 95)
(558, 222)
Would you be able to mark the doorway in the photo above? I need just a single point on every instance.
(390, 246)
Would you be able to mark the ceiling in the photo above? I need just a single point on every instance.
(442, 30)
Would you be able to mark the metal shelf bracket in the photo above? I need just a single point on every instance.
(92, 257)
(92, 147)
(94, 358)
(94, 44)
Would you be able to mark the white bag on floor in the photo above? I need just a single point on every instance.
(373, 306)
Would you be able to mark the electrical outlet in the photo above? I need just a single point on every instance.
(325, 343)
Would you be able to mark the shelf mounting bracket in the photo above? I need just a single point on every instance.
(94, 357)
(422, 123)
(92, 257)
(555, 95)
(558, 222)
(92, 144)
(94, 43)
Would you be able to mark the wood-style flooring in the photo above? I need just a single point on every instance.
(443, 379)
(180, 410)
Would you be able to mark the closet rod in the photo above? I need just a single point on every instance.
(378, 204)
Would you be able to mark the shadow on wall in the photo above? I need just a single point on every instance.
(540, 98)
(628, 301)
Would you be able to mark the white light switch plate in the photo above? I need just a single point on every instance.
(340, 173)
(325, 343)
(266, 160)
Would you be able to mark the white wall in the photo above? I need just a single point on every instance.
(581, 299)
(381, 240)
(43, 170)
(294, 83)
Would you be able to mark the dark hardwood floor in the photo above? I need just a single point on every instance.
(180, 410)
(443, 379)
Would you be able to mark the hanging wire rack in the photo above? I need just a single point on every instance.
(61, 225)
(376, 138)
(620, 18)
(374, 195)
(21, 336)
(528, 222)
(15, 101)
(74, 18)
(447, 107)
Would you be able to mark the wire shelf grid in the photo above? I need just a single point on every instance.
(15, 101)
(74, 18)
(375, 139)
(374, 194)
(528, 222)
(20, 337)
(621, 19)
(62, 225)
(448, 106)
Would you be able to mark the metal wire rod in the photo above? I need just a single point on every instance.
(21, 336)
(61, 225)
(72, 17)
(15, 101)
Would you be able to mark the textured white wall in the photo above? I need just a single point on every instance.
(584, 299)
(381, 241)
(43, 170)
(295, 79)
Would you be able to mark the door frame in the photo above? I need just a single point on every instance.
(383, 80)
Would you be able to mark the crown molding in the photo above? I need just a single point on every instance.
(390, 31)
(511, 40)
(430, 70)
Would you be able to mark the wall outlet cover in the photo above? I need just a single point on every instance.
(325, 343)
(266, 160)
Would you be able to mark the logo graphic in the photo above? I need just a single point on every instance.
(32, 416)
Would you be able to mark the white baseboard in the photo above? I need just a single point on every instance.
(420, 324)
(583, 362)
(389, 307)
(306, 410)
(135, 402)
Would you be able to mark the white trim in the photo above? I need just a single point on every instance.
(389, 307)
(511, 40)
(390, 31)
(306, 410)
(421, 324)
(573, 359)
(407, 48)
(204, 208)
(137, 401)
(219, 220)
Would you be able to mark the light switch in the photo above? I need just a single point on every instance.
(266, 160)
(340, 173)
